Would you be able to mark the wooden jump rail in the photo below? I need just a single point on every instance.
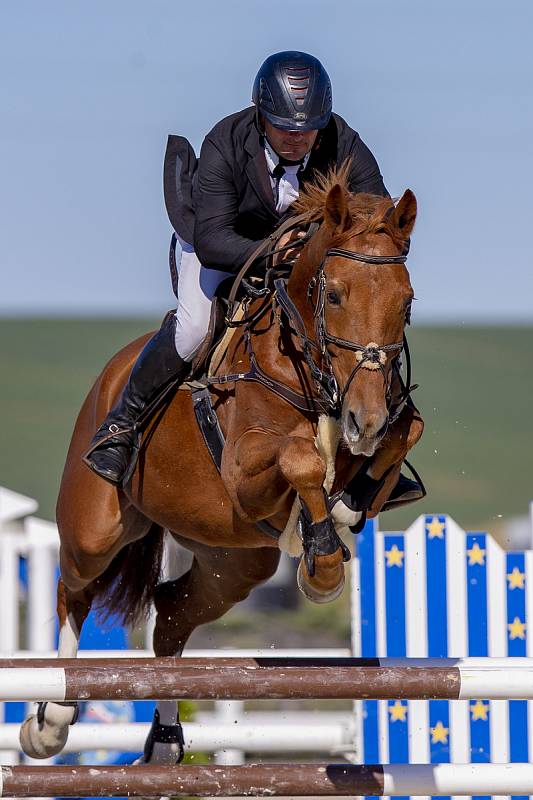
(245, 678)
(271, 780)
(264, 678)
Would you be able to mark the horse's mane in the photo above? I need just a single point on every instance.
(368, 211)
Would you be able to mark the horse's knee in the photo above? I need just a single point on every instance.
(301, 464)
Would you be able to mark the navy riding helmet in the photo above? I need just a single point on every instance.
(293, 91)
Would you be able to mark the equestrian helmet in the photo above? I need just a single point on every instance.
(293, 91)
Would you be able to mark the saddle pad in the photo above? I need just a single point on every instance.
(222, 347)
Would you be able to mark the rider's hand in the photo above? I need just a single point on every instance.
(293, 252)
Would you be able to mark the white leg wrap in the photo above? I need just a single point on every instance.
(343, 515)
(46, 737)
(69, 637)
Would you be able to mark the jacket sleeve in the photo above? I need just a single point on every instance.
(216, 208)
(365, 175)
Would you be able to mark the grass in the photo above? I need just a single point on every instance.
(475, 395)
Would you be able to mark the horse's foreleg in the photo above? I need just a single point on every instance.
(45, 733)
(216, 581)
(388, 459)
(269, 468)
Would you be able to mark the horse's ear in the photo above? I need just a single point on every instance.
(337, 214)
(404, 215)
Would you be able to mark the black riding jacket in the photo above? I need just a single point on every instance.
(231, 206)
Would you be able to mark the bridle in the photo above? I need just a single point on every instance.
(371, 356)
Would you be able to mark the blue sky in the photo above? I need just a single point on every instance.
(440, 91)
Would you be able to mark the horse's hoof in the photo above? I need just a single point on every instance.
(316, 593)
(47, 737)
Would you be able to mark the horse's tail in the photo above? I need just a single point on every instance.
(126, 588)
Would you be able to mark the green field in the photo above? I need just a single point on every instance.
(476, 386)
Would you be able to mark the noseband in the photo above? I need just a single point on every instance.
(371, 356)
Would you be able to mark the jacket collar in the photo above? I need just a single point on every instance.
(257, 171)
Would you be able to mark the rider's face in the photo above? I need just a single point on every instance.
(292, 145)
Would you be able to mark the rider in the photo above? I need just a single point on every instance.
(250, 169)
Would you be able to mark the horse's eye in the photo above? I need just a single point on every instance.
(333, 298)
(408, 313)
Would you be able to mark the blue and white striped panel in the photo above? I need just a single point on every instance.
(517, 635)
(364, 633)
(437, 631)
(416, 638)
(436, 591)
(529, 640)
(478, 645)
(394, 580)
(457, 615)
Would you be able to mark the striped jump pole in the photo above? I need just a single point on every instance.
(296, 780)
(246, 679)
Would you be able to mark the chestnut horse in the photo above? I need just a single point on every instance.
(349, 285)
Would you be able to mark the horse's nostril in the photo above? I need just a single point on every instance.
(354, 422)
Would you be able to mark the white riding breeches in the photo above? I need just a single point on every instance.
(196, 289)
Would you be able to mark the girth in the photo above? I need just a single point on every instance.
(209, 425)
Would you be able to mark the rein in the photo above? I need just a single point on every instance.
(371, 356)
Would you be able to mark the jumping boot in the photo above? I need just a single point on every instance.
(114, 449)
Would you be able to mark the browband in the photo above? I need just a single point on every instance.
(367, 259)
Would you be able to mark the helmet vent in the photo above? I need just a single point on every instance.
(299, 79)
(265, 96)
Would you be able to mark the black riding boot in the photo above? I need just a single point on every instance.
(116, 441)
(362, 490)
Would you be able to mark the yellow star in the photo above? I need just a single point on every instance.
(435, 528)
(398, 712)
(394, 556)
(476, 555)
(516, 579)
(479, 710)
(439, 734)
(517, 629)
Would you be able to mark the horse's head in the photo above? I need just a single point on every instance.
(354, 288)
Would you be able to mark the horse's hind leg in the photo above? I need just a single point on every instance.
(217, 580)
(45, 733)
